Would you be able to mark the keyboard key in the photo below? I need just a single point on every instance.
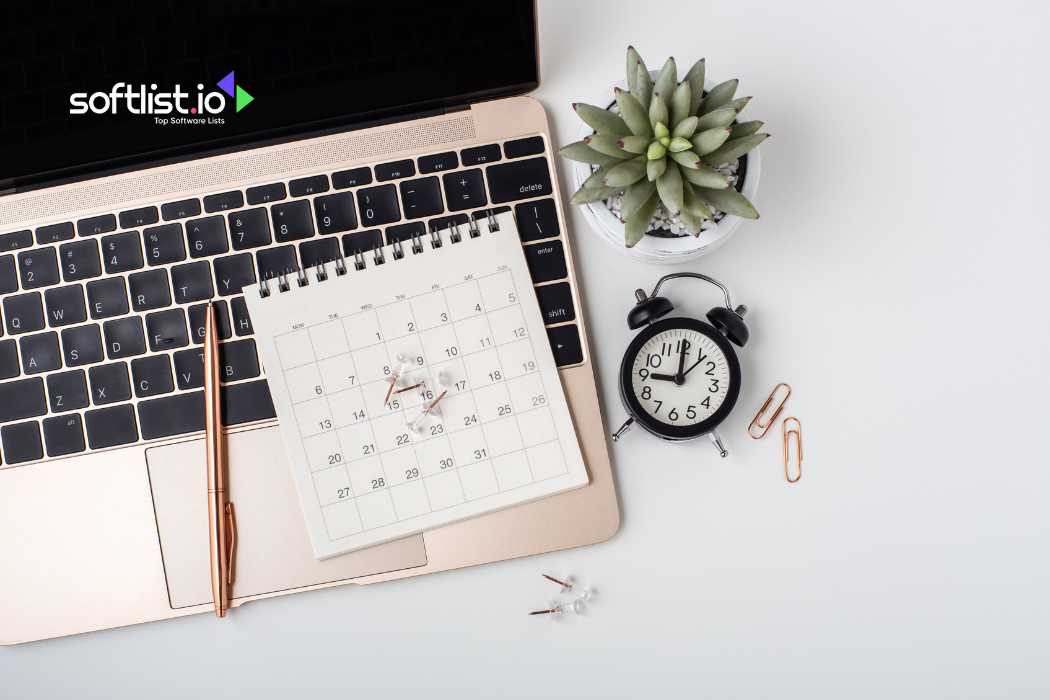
(238, 360)
(276, 261)
(22, 398)
(520, 179)
(107, 297)
(222, 320)
(223, 201)
(537, 220)
(181, 209)
(133, 218)
(166, 330)
(38, 268)
(189, 368)
(405, 232)
(317, 252)
(152, 376)
(352, 178)
(8, 275)
(362, 241)
(378, 205)
(523, 147)
(263, 194)
(65, 305)
(191, 282)
(436, 162)
(392, 171)
(149, 290)
(556, 302)
(55, 233)
(315, 184)
(64, 435)
(95, 225)
(124, 337)
(16, 240)
(464, 190)
(8, 359)
(21, 442)
(109, 383)
(249, 228)
(165, 244)
(292, 221)
(233, 272)
(67, 391)
(207, 236)
(421, 197)
(246, 402)
(82, 345)
(481, 154)
(122, 252)
(242, 322)
(546, 261)
(79, 260)
(23, 313)
(335, 213)
(172, 415)
(40, 352)
(111, 426)
(565, 343)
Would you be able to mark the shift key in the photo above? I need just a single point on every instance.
(519, 179)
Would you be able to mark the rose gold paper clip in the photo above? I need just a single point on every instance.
(792, 458)
(764, 426)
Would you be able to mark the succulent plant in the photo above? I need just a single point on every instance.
(665, 146)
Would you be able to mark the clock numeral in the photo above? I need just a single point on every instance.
(658, 405)
(714, 386)
(643, 373)
(647, 392)
(690, 412)
(653, 360)
(706, 403)
(666, 349)
(710, 369)
(673, 414)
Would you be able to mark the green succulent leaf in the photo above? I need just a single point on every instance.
(597, 178)
(634, 60)
(585, 195)
(658, 115)
(667, 78)
(739, 103)
(692, 204)
(601, 120)
(655, 168)
(693, 224)
(679, 144)
(634, 144)
(686, 127)
(643, 85)
(626, 173)
(745, 129)
(635, 196)
(695, 78)
(634, 114)
(607, 144)
(661, 132)
(669, 187)
(638, 223)
(733, 149)
(729, 200)
(686, 159)
(704, 176)
(710, 139)
(723, 116)
(719, 95)
(656, 151)
(680, 100)
(582, 153)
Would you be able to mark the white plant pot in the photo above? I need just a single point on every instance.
(656, 249)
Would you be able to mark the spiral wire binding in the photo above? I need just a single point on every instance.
(379, 255)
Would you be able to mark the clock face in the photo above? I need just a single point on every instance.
(684, 378)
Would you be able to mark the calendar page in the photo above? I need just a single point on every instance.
(416, 392)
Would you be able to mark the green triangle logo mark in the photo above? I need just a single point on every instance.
(243, 98)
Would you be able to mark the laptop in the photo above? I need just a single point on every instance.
(148, 157)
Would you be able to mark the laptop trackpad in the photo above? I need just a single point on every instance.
(273, 550)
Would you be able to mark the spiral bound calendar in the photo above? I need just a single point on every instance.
(415, 386)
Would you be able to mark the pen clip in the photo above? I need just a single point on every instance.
(231, 542)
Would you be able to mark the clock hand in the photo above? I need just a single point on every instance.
(662, 377)
(693, 366)
(679, 377)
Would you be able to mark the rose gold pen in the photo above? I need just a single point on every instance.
(222, 525)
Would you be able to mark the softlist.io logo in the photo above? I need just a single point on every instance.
(202, 107)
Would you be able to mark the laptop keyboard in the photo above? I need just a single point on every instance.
(103, 317)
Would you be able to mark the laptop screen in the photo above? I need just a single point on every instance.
(95, 86)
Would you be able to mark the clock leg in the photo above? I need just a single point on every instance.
(622, 429)
(717, 441)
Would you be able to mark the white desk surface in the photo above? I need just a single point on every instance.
(897, 279)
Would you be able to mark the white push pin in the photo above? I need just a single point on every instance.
(569, 586)
(556, 610)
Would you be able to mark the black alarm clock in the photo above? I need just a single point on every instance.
(680, 376)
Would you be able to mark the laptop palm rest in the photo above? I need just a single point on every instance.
(273, 549)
